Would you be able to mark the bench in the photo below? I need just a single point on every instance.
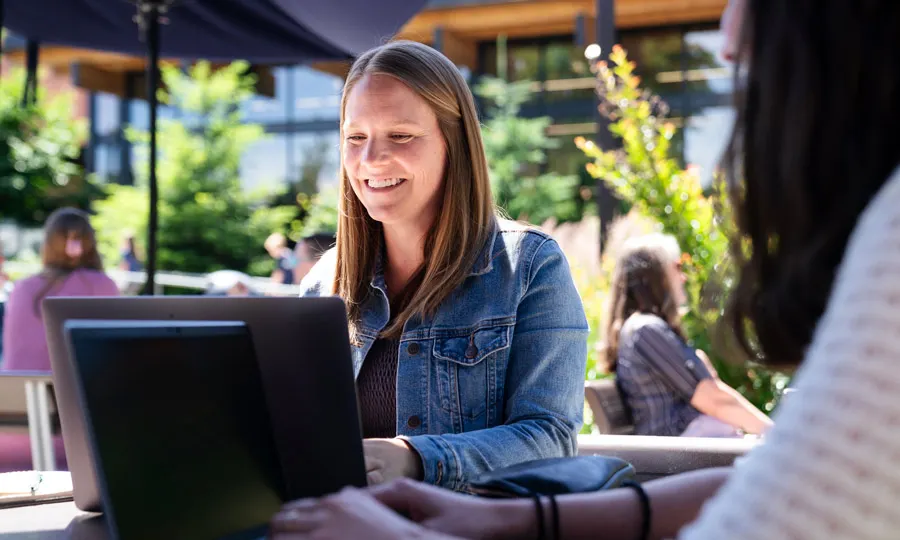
(611, 415)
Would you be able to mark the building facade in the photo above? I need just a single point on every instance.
(673, 42)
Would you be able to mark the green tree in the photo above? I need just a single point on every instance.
(303, 193)
(516, 150)
(321, 213)
(40, 147)
(644, 173)
(207, 220)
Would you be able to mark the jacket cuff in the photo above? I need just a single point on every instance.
(440, 464)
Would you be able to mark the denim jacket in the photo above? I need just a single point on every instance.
(496, 376)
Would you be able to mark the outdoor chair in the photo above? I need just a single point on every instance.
(611, 415)
(28, 406)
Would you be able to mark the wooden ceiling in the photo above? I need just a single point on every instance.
(461, 28)
(533, 18)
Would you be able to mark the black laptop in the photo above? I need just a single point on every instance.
(178, 427)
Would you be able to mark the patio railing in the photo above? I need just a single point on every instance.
(162, 280)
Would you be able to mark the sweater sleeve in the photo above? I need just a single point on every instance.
(828, 469)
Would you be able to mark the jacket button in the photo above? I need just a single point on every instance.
(471, 352)
(414, 421)
(413, 348)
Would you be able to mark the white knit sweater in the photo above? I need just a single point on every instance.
(830, 468)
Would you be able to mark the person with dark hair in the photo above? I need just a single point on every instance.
(670, 388)
(308, 251)
(71, 267)
(815, 186)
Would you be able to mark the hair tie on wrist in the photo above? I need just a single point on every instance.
(539, 509)
(555, 518)
(645, 507)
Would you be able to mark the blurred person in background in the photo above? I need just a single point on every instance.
(276, 246)
(670, 388)
(71, 267)
(308, 251)
(129, 260)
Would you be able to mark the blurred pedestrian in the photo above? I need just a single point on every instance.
(71, 267)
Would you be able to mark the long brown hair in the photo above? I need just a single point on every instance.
(466, 217)
(62, 225)
(640, 284)
(818, 102)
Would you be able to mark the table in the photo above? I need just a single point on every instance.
(51, 521)
(652, 457)
(655, 457)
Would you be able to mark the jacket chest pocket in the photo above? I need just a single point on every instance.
(467, 370)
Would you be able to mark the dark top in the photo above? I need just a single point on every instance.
(131, 260)
(285, 263)
(376, 387)
(657, 373)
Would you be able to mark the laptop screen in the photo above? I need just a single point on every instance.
(180, 428)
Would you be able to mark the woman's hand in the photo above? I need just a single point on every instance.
(376, 513)
(458, 515)
(389, 459)
(352, 513)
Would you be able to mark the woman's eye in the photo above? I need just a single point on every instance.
(400, 137)
(355, 138)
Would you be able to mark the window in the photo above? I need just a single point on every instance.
(107, 161)
(264, 164)
(106, 113)
(681, 64)
(317, 95)
(657, 54)
(139, 113)
(705, 135)
(705, 71)
(568, 75)
(523, 61)
(317, 158)
(265, 109)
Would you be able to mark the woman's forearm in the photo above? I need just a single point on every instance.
(675, 501)
(717, 399)
(746, 416)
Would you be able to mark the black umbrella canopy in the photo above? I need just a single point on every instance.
(259, 31)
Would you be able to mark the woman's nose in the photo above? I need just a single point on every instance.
(374, 151)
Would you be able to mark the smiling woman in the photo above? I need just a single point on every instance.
(469, 338)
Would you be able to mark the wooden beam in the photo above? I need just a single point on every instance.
(637, 13)
(95, 79)
(98, 79)
(341, 69)
(463, 52)
(551, 17)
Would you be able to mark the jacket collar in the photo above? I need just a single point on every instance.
(484, 263)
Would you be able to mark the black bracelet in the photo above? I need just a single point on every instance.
(645, 507)
(555, 518)
(539, 509)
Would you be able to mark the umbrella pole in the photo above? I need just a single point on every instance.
(29, 93)
(152, 12)
(1, 37)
